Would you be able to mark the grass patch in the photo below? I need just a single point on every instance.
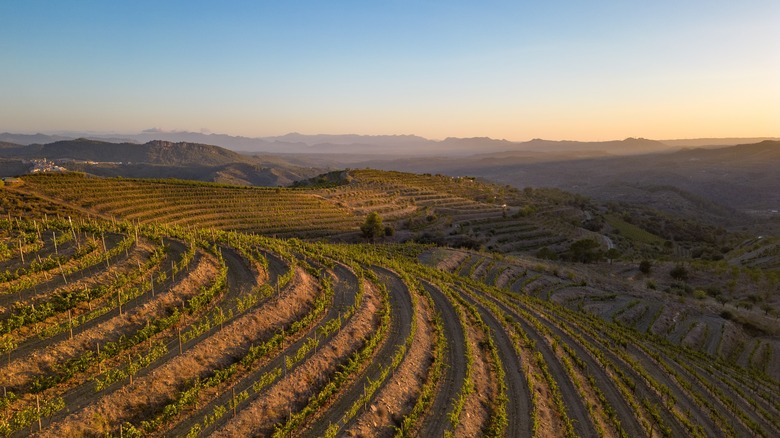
(633, 232)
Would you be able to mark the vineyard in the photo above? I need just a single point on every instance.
(166, 308)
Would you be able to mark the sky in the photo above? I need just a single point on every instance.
(553, 69)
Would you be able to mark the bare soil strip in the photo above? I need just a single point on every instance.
(518, 408)
(400, 392)
(575, 408)
(41, 361)
(345, 290)
(437, 422)
(161, 384)
(626, 414)
(400, 327)
(477, 409)
(291, 393)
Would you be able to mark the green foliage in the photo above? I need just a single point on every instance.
(372, 227)
(584, 251)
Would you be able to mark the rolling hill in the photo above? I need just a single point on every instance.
(157, 159)
(159, 307)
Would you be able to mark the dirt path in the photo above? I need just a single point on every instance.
(397, 397)
(437, 421)
(400, 327)
(628, 419)
(108, 328)
(518, 408)
(345, 290)
(575, 408)
(29, 339)
(642, 387)
(84, 399)
(292, 391)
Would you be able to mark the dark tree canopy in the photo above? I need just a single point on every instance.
(372, 227)
(679, 273)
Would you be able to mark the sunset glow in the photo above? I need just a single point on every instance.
(566, 70)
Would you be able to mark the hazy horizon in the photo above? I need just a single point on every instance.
(121, 134)
(563, 70)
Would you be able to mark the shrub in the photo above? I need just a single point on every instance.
(679, 273)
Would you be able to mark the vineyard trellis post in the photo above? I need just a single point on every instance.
(38, 408)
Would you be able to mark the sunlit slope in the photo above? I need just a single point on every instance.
(272, 211)
(110, 327)
(454, 211)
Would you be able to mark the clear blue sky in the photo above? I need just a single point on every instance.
(511, 69)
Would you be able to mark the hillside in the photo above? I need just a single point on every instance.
(157, 159)
(129, 309)
(154, 152)
(735, 185)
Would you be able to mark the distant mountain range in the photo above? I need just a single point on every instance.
(387, 145)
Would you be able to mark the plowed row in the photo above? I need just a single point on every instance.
(151, 330)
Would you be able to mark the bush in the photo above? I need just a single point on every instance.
(645, 266)
(679, 273)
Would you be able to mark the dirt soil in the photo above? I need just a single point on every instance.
(400, 393)
(162, 383)
(291, 392)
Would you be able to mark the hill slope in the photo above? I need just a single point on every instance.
(154, 152)
(146, 327)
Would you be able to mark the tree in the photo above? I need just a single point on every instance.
(645, 266)
(584, 251)
(372, 227)
(612, 254)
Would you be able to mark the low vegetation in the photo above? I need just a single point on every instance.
(167, 308)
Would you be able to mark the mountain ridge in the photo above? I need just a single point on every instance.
(404, 144)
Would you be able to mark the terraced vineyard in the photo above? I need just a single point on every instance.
(453, 209)
(147, 317)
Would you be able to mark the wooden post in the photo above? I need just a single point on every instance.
(119, 300)
(21, 253)
(233, 390)
(62, 271)
(70, 324)
(38, 407)
(178, 330)
(54, 239)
